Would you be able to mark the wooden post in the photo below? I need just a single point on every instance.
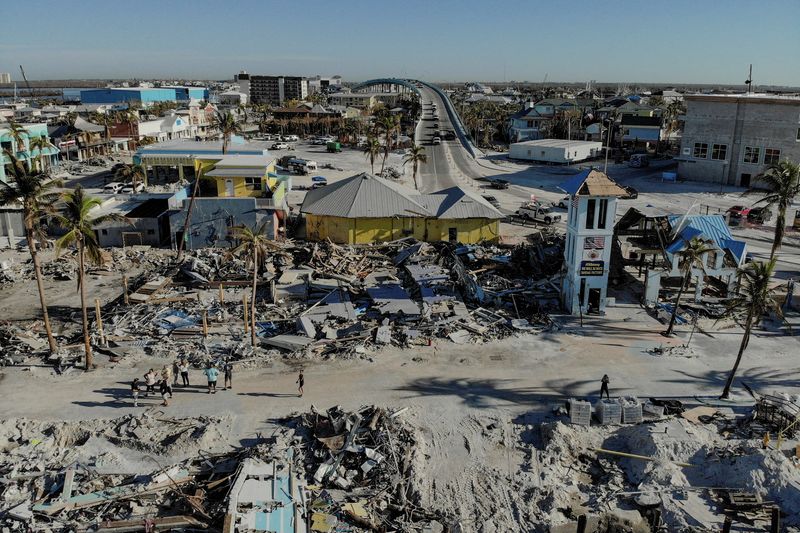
(244, 308)
(125, 289)
(582, 520)
(775, 524)
(205, 323)
(221, 294)
(99, 321)
(726, 526)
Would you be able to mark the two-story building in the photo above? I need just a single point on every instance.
(527, 125)
(23, 151)
(730, 139)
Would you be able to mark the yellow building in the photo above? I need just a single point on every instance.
(365, 208)
(243, 175)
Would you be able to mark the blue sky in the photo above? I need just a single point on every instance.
(700, 41)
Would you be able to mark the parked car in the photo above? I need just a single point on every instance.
(318, 181)
(130, 188)
(563, 203)
(759, 215)
(436, 140)
(630, 193)
(290, 138)
(333, 147)
(498, 183)
(492, 200)
(537, 212)
(279, 146)
(739, 211)
(113, 188)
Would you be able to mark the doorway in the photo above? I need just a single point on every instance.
(452, 234)
(229, 188)
(745, 180)
(594, 301)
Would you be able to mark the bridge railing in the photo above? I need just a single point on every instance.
(461, 131)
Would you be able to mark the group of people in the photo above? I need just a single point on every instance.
(168, 378)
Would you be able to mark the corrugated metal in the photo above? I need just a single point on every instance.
(455, 202)
(711, 227)
(364, 196)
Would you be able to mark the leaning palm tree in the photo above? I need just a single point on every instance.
(39, 145)
(253, 244)
(76, 219)
(690, 257)
(18, 134)
(35, 191)
(372, 150)
(755, 299)
(131, 173)
(783, 181)
(415, 156)
(228, 126)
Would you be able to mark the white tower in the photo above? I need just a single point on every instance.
(590, 230)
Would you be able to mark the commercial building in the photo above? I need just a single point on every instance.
(365, 208)
(272, 90)
(324, 84)
(554, 150)
(23, 150)
(5, 77)
(731, 139)
(365, 100)
(144, 96)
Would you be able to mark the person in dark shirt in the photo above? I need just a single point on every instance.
(301, 380)
(604, 386)
(135, 391)
(164, 388)
(227, 370)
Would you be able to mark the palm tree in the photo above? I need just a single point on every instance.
(372, 150)
(35, 191)
(131, 173)
(783, 180)
(415, 156)
(388, 124)
(18, 134)
(75, 218)
(754, 300)
(39, 144)
(253, 244)
(228, 126)
(690, 257)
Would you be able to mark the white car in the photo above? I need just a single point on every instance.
(130, 188)
(290, 138)
(279, 146)
(113, 188)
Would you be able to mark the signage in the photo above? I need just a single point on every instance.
(592, 268)
(594, 243)
(592, 254)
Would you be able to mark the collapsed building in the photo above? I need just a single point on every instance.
(649, 246)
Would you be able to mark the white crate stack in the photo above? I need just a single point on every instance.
(580, 412)
(631, 410)
(608, 412)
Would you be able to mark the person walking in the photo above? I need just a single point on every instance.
(150, 381)
(175, 371)
(212, 373)
(166, 373)
(227, 371)
(164, 388)
(183, 368)
(300, 382)
(604, 386)
(135, 391)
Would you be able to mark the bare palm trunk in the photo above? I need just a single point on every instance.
(745, 340)
(181, 246)
(780, 229)
(372, 162)
(82, 281)
(37, 269)
(684, 284)
(253, 299)
(415, 175)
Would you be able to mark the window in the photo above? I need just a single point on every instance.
(253, 184)
(772, 156)
(752, 154)
(798, 134)
(590, 213)
(104, 231)
(719, 152)
(700, 151)
(601, 218)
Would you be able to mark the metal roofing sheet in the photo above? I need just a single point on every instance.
(364, 196)
(712, 227)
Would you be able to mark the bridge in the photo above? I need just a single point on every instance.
(386, 84)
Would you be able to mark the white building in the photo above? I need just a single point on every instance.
(5, 77)
(554, 150)
(233, 98)
(590, 232)
(324, 84)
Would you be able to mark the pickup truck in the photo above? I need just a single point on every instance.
(538, 213)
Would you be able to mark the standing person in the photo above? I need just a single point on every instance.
(164, 388)
(211, 374)
(175, 371)
(604, 386)
(789, 294)
(135, 392)
(227, 370)
(183, 368)
(166, 373)
(300, 382)
(150, 381)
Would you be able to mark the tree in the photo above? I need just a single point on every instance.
(35, 191)
(131, 173)
(372, 150)
(228, 126)
(39, 145)
(754, 300)
(387, 124)
(253, 244)
(690, 257)
(76, 219)
(18, 134)
(415, 156)
(783, 180)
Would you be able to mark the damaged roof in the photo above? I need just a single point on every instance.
(710, 227)
(591, 182)
(456, 202)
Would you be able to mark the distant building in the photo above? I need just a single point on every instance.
(323, 84)
(23, 151)
(527, 124)
(143, 96)
(731, 139)
(232, 98)
(558, 151)
(5, 77)
(365, 100)
(272, 90)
